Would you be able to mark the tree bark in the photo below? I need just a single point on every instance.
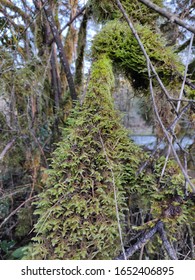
(15, 9)
(138, 245)
(159, 227)
(172, 17)
(62, 54)
(170, 250)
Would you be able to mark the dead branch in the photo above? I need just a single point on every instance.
(145, 53)
(7, 148)
(172, 17)
(146, 237)
(170, 250)
(140, 243)
(63, 58)
(143, 166)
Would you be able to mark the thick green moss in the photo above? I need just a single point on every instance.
(94, 160)
(77, 211)
(117, 42)
(77, 216)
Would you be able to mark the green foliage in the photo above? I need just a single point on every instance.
(77, 211)
(165, 198)
(19, 253)
(4, 208)
(105, 10)
(117, 42)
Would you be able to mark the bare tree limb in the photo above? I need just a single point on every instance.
(145, 53)
(170, 250)
(140, 243)
(179, 103)
(146, 237)
(69, 23)
(143, 166)
(62, 54)
(7, 148)
(172, 17)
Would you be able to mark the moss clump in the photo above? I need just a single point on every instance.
(118, 43)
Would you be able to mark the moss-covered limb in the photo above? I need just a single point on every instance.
(77, 211)
(41, 31)
(117, 41)
(16, 9)
(105, 10)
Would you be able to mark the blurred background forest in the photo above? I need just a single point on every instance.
(46, 52)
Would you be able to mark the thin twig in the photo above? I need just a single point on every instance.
(145, 53)
(178, 104)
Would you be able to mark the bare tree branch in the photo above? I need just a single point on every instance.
(140, 243)
(7, 148)
(62, 54)
(15, 210)
(69, 23)
(143, 166)
(179, 102)
(172, 17)
(146, 237)
(170, 250)
(145, 53)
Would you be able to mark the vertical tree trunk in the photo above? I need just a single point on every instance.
(62, 54)
(80, 52)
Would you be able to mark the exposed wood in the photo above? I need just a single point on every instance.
(140, 243)
(170, 250)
